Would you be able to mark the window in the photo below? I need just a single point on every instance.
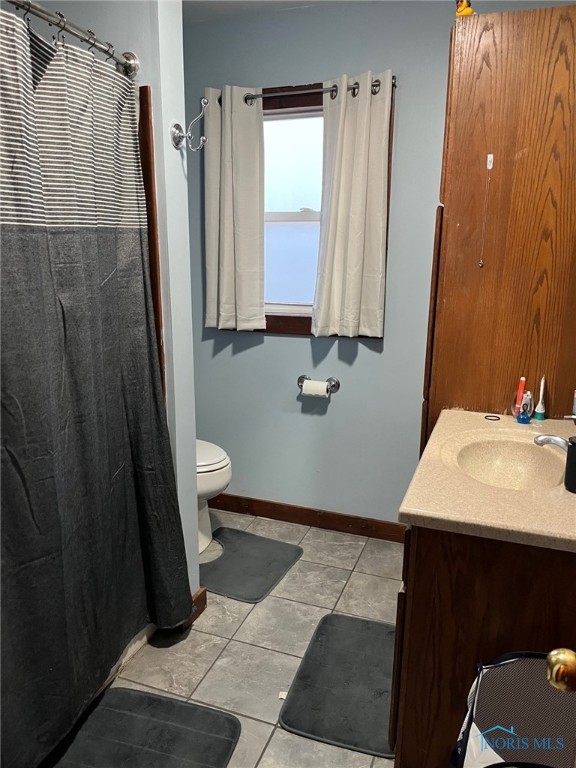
(351, 269)
(293, 145)
(292, 194)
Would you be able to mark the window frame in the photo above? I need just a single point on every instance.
(293, 321)
(297, 324)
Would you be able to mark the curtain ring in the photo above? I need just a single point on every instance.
(376, 87)
(355, 90)
(334, 92)
(92, 36)
(27, 13)
(110, 48)
(249, 99)
(61, 26)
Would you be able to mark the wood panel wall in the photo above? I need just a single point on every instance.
(505, 302)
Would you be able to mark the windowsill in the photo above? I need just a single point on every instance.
(289, 325)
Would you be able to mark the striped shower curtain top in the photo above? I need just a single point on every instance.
(92, 544)
(68, 137)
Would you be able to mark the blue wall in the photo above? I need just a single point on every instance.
(357, 455)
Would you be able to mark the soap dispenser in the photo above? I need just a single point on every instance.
(570, 477)
(570, 447)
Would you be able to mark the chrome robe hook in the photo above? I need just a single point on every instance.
(179, 137)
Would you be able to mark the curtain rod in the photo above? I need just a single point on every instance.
(250, 98)
(128, 61)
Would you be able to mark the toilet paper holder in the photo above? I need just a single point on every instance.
(332, 384)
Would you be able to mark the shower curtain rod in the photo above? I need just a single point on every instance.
(128, 61)
(250, 98)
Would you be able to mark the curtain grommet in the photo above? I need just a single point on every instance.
(355, 90)
(376, 87)
(334, 92)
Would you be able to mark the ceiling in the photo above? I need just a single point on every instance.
(210, 10)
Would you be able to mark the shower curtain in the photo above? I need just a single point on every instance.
(92, 545)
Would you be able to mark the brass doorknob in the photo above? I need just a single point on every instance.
(561, 669)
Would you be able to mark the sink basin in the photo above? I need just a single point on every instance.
(514, 464)
(507, 458)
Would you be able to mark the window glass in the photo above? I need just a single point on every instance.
(291, 261)
(293, 191)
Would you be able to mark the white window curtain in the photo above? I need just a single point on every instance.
(234, 210)
(351, 278)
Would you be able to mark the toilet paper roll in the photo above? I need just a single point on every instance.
(312, 388)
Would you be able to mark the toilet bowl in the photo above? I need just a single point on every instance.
(213, 474)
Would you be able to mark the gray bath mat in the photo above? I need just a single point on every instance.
(127, 727)
(250, 566)
(341, 692)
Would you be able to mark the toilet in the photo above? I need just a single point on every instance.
(213, 474)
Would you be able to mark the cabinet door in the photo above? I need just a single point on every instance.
(507, 266)
(470, 600)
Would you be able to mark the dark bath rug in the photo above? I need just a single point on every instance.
(249, 567)
(341, 692)
(133, 728)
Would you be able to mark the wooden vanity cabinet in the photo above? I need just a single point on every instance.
(467, 600)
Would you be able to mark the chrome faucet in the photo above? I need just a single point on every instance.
(570, 447)
(552, 440)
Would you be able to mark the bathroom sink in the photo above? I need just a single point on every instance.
(505, 461)
(482, 475)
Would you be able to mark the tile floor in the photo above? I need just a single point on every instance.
(239, 656)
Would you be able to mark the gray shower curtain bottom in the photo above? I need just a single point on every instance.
(92, 544)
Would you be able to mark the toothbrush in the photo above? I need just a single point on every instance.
(540, 412)
(520, 394)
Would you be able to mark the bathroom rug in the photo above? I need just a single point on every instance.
(341, 692)
(128, 727)
(249, 567)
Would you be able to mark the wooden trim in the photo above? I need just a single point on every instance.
(424, 427)
(199, 598)
(318, 518)
(271, 104)
(432, 302)
(146, 140)
(398, 646)
(448, 114)
(293, 325)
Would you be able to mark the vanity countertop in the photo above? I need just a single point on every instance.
(443, 496)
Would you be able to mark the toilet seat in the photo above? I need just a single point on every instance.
(210, 457)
